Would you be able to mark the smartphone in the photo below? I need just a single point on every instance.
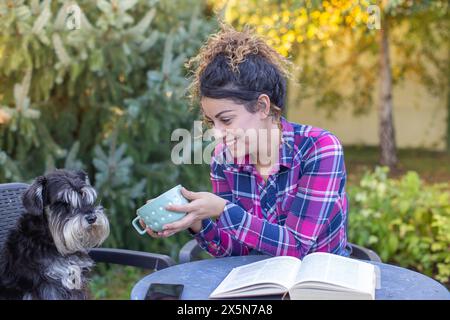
(164, 291)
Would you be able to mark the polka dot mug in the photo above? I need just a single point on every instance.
(153, 213)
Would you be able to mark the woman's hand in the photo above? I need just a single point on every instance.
(202, 205)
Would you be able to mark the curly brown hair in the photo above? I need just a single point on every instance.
(239, 65)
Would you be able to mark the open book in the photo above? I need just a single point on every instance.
(318, 276)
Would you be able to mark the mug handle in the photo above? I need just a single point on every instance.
(137, 226)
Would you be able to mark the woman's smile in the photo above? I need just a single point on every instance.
(233, 142)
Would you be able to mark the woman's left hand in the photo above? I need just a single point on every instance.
(202, 205)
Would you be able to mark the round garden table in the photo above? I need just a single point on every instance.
(200, 278)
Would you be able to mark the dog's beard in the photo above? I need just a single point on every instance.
(76, 234)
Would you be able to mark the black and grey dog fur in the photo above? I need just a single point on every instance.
(46, 256)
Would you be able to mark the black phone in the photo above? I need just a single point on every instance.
(164, 291)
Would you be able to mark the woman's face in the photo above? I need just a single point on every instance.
(238, 128)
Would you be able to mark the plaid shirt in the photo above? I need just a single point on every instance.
(302, 208)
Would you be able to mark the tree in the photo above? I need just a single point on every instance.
(307, 31)
(99, 86)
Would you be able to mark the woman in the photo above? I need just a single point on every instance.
(293, 203)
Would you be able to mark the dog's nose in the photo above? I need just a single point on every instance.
(91, 218)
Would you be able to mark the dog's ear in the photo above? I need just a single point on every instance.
(32, 199)
(83, 176)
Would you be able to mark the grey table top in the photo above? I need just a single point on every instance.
(200, 278)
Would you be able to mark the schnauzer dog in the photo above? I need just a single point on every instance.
(46, 256)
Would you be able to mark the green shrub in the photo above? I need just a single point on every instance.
(405, 221)
(104, 98)
(114, 282)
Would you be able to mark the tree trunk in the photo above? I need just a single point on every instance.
(448, 108)
(388, 153)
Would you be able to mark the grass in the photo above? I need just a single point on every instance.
(432, 166)
(116, 282)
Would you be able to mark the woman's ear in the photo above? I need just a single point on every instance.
(264, 106)
(32, 198)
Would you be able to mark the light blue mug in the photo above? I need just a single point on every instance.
(153, 213)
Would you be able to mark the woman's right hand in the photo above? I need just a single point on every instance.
(149, 231)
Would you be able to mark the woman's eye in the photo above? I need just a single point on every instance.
(210, 123)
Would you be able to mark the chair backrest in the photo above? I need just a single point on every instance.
(362, 253)
(11, 208)
(191, 251)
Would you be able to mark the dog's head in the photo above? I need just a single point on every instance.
(67, 200)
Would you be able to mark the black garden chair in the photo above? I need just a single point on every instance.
(11, 210)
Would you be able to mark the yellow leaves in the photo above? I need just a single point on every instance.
(285, 16)
(286, 24)
(242, 20)
(324, 18)
(315, 14)
(271, 43)
(289, 36)
(303, 12)
(260, 29)
(356, 10)
(311, 31)
(267, 21)
(272, 34)
(231, 15)
(349, 20)
(357, 14)
(335, 19)
(253, 20)
(285, 48)
(300, 21)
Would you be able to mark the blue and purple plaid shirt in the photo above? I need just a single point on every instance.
(302, 208)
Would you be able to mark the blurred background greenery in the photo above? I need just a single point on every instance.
(107, 96)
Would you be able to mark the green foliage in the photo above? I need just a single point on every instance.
(104, 97)
(406, 222)
(114, 283)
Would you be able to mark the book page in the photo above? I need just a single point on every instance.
(333, 269)
(280, 270)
